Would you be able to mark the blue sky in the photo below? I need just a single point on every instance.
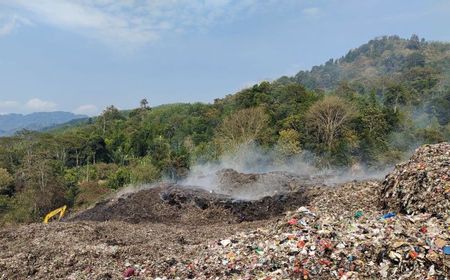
(82, 55)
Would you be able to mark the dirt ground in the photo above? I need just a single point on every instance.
(102, 250)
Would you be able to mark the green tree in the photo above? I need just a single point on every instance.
(42, 186)
(120, 178)
(288, 144)
(327, 120)
(107, 118)
(6, 181)
(397, 95)
(144, 105)
(241, 128)
(143, 171)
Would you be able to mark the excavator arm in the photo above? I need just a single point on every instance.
(55, 212)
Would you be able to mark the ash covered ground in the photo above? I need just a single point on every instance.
(295, 227)
(234, 198)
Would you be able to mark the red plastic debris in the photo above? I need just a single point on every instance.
(129, 272)
(413, 254)
(326, 244)
(300, 244)
(424, 229)
(325, 262)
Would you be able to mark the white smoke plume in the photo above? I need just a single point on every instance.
(251, 159)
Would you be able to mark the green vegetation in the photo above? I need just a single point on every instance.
(371, 106)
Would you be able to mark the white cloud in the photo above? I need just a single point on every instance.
(133, 22)
(9, 104)
(88, 109)
(9, 23)
(37, 104)
(312, 11)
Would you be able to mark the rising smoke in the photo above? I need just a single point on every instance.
(260, 172)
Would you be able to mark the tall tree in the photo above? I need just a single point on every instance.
(6, 181)
(144, 105)
(242, 127)
(327, 120)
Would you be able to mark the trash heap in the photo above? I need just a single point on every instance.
(341, 235)
(422, 184)
(396, 229)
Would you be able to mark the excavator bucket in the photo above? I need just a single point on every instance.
(55, 212)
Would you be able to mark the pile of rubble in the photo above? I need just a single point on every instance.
(341, 235)
(422, 184)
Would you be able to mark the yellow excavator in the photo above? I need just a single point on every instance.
(55, 212)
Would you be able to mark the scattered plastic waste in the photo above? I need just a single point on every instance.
(358, 214)
(446, 250)
(225, 242)
(389, 215)
(129, 272)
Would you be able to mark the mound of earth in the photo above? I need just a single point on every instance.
(421, 184)
(174, 204)
(258, 185)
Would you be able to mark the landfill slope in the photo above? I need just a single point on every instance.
(422, 184)
(348, 231)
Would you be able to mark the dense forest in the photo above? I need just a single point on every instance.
(370, 107)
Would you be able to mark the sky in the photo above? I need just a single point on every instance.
(83, 55)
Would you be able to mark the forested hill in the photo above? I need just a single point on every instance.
(371, 108)
(384, 58)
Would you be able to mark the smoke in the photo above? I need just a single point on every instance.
(252, 172)
(260, 172)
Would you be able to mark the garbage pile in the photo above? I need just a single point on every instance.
(396, 229)
(422, 184)
(341, 235)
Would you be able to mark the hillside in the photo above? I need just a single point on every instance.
(385, 58)
(11, 123)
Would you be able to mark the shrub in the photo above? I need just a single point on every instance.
(119, 179)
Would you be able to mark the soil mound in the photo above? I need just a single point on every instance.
(259, 185)
(171, 203)
(421, 184)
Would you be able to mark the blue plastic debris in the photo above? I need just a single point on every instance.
(389, 215)
(446, 250)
